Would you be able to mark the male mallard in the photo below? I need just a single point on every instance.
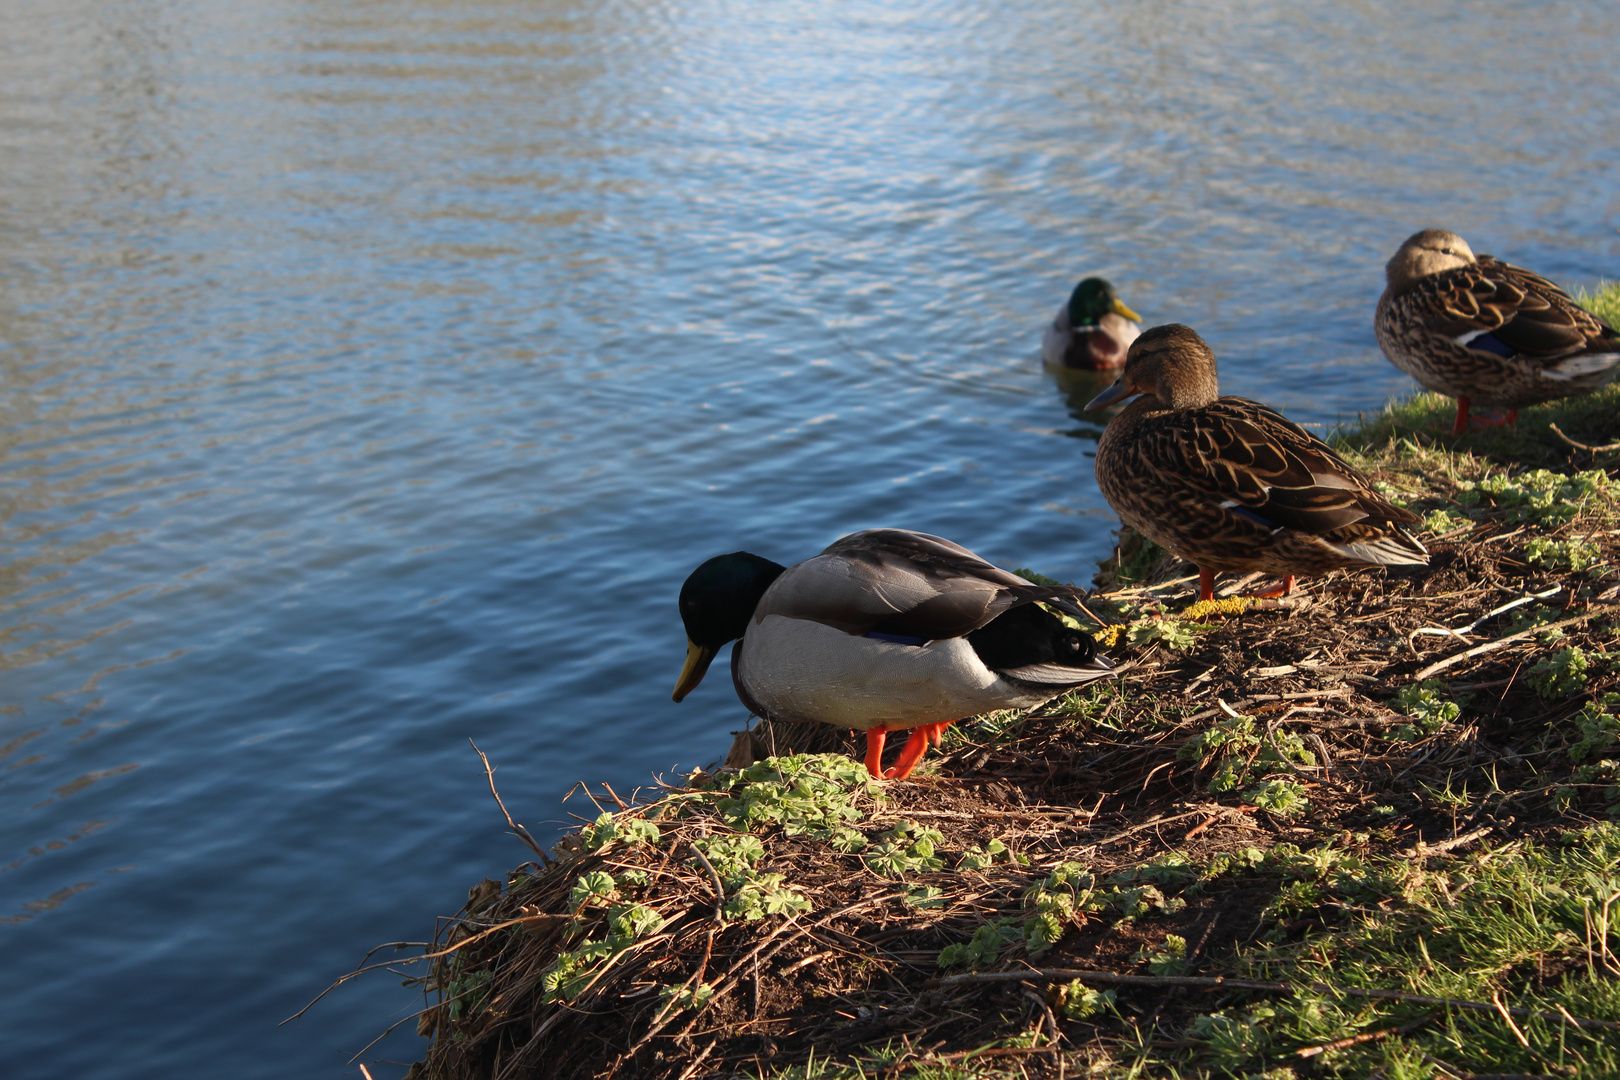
(1093, 330)
(1230, 484)
(884, 631)
(1485, 332)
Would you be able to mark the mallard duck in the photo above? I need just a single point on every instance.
(1092, 331)
(886, 630)
(1230, 484)
(1485, 332)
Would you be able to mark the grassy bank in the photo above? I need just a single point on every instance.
(1370, 833)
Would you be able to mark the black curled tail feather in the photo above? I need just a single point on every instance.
(1030, 636)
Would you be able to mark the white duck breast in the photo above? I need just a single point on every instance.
(799, 669)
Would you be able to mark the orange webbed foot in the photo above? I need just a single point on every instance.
(1285, 587)
(1207, 606)
(915, 748)
(1505, 418)
(1476, 421)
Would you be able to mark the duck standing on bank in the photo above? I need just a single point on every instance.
(1092, 331)
(1229, 484)
(1486, 332)
(886, 630)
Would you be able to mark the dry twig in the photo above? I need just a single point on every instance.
(1582, 446)
(1501, 642)
(517, 830)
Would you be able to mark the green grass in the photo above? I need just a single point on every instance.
(1532, 925)
(1425, 419)
(1605, 303)
(982, 1064)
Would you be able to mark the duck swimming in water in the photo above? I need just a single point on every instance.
(886, 630)
(1092, 331)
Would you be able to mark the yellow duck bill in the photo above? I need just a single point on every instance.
(698, 659)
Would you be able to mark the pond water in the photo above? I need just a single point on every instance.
(374, 372)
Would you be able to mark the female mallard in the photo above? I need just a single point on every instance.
(1092, 331)
(884, 631)
(1229, 484)
(1485, 332)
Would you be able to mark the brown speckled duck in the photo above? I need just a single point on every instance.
(1093, 331)
(886, 630)
(1485, 332)
(1230, 484)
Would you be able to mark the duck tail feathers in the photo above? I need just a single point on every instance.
(1398, 548)
(1586, 369)
(1060, 674)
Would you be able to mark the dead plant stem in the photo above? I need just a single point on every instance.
(519, 831)
(1502, 642)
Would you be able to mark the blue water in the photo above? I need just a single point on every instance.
(371, 375)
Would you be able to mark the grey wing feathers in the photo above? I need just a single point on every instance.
(900, 582)
(1057, 338)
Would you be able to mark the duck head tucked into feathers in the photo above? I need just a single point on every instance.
(1486, 332)
(1424, 254)
(1170, 362)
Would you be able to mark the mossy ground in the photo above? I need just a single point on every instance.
(1383, 814)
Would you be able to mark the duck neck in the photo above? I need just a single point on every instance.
(1187, 388)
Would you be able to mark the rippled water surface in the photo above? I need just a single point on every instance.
(372, 373)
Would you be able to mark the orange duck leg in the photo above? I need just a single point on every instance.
(916, 746)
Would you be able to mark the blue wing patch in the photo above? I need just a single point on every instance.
(1245, 512)
(1492, 344)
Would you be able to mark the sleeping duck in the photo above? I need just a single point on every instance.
(1485, 332)
(1092, 331)
(1229, 484)
(886, 630)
